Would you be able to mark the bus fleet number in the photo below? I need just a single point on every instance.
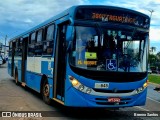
(101, 85)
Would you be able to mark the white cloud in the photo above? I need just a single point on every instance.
(14, 11)
(17, 16)
(28, 21)
(142, 6)
(155, 34)
(32, 12)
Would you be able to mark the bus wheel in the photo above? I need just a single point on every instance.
(45, 92)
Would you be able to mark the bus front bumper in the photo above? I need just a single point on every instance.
(77, 98)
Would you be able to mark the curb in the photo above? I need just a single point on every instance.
(154, 83)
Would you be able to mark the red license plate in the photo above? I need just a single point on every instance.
(114, 99)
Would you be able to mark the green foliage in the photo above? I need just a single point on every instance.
(154, 60)
(158, 55)
(154, 78)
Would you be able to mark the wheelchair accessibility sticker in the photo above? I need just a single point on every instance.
(111, 64)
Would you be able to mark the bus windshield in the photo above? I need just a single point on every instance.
(104, 49)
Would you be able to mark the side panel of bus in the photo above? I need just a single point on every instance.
(40, 58)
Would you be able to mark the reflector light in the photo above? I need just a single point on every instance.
(71, 77)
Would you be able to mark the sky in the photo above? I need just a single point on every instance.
(17, 16)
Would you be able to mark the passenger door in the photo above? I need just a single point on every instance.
(24, 58)
(12, 58)
(60, 63)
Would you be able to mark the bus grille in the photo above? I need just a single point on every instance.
(109, 103)
(112, 91)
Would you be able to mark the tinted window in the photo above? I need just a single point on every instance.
(33, 37)
(50, 31)
(39, 36)
(38, 49)
(10, 49)
(18, 49)
(48, 48)
(31, 50)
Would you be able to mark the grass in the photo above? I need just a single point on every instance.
(154, 78)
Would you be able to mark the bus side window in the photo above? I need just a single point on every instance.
(10, 49)
(48, 44)
(38, 44)
(18, 49)
(38, 49)
(48, 48)
(39, 35)
(50, 32)
(31, 49)
(33, 37)
(16, 45)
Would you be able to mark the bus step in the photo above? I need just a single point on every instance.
(59, 101)
(23, 84)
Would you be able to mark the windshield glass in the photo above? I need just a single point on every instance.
(109, 49)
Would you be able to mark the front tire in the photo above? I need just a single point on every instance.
(45, 92)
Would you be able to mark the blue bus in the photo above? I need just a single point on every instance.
(87, 56)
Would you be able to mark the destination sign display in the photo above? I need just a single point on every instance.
(113, 16)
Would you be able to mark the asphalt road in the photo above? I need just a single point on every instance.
(17, 98)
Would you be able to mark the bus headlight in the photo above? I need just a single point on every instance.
(79, 86)
(139, 90)
(89, 90)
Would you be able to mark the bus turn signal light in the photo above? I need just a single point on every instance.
(73, 81)
(145, 84)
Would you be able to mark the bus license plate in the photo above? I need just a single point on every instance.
(114, 99)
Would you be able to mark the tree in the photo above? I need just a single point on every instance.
(158, 60)
(152, 59)
(158, 55)
(153, 49)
